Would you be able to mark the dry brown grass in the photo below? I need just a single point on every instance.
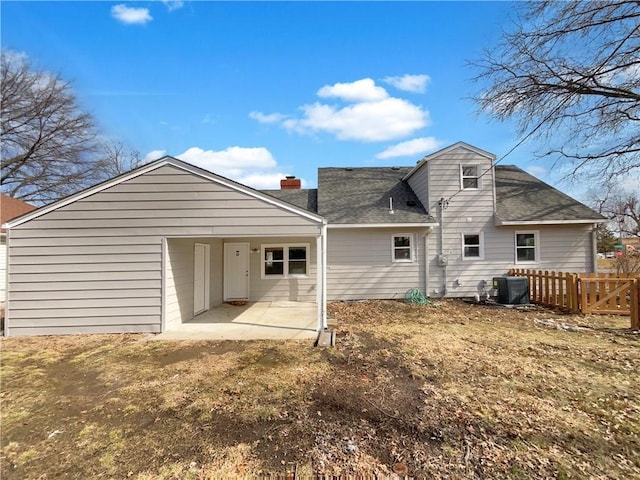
(450, 391)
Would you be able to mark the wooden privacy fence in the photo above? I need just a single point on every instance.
(598, 293)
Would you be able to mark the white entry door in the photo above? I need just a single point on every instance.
(201, 277)
(236, 271)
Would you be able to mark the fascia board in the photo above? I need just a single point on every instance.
(381, 225)
(507, 223)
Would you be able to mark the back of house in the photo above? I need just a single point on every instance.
(155, 247)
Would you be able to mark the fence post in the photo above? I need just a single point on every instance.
(573, 289)
(635, 304)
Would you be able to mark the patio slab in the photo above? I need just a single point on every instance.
(253, 321)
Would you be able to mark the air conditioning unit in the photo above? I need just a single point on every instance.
(512, 290)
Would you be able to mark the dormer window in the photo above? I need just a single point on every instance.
(470, 177)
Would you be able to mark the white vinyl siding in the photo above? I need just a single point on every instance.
(359, 265)
(3, 267)
(561, 247)
(564, 248)
(112, 241)
(296, 288)
(179, 278)
(419, 183)
(468, 211)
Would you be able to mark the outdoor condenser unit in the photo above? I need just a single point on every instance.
(512, 290)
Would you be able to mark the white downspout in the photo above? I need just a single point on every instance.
(426, 263)
(319, 275)
(7, 272)
(594, 248)
(442, 204)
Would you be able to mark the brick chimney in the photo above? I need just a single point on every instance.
(290, 183)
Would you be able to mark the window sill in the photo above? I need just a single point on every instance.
(282, 277)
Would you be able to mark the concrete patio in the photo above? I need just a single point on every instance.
(253, 321)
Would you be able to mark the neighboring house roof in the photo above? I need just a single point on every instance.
(361, 196)
(11, 208)
(167, 160)
(521, 197)
(303, 198)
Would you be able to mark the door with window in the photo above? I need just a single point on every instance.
(236, 271)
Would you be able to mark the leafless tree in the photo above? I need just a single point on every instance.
(569, 74)
(48, 143)
(115, 158)
(624, 213)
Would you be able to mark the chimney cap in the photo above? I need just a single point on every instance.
(289, 177)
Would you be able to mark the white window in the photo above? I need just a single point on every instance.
(527, 245)
(402, 247)
(472, 246)
(469, 177)
(282, 261)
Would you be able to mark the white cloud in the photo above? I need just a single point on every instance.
(264, 118)
(537, 170)
(131, 15)
(409, 83)
(252, 166)
(364, 90)
(413, 147)
(233, 162)
(173, 4)
(154, 155)
(382, 120)
(368, 114)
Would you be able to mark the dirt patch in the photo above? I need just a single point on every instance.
(449, 390)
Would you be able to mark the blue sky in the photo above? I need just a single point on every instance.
(254, 91)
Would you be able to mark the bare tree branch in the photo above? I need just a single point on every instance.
(573, 67)
(48, 143)
(115, 158)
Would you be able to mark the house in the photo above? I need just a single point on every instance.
(10, 208)
(154, 247)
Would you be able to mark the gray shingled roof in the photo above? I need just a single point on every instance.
(361, 195)
(303, 198)
(523, 197)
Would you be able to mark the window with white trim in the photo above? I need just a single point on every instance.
(469, 177)
(402, 247)
(472, 246)
(283, 261)
(527, 245)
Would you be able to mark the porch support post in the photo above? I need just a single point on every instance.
(319, 275)
(324, 274)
